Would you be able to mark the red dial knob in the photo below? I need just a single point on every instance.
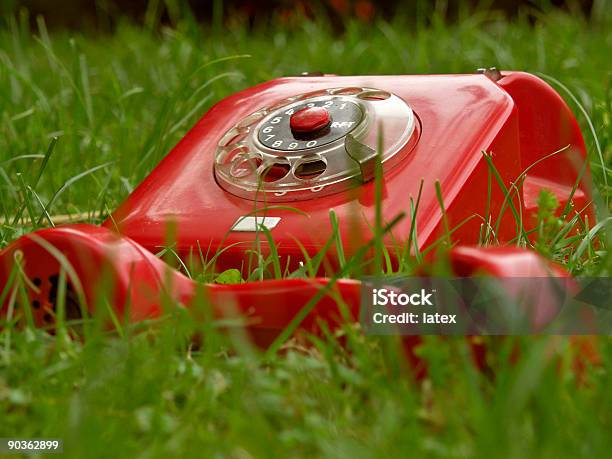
(309, 120)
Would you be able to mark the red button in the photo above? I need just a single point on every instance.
(309, 119)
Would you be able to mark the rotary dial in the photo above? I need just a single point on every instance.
(313, 144)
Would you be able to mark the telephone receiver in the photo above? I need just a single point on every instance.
(453, 153)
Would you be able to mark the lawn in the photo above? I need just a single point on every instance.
(117, 103)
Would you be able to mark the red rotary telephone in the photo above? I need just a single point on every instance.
(280, 155)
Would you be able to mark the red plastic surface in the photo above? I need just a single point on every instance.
(502, 262)
(547, 125)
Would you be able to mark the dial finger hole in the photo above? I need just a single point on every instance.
(250, 120)
(281, 104)
(310, 168)
(346, 91)
(236, 139)
(245, 165)
(234, 136)
(275, 171)
(228, 155)
(317, 93)
(374, 95)
(229, 135)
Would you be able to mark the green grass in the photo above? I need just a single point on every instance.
(118, 103)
